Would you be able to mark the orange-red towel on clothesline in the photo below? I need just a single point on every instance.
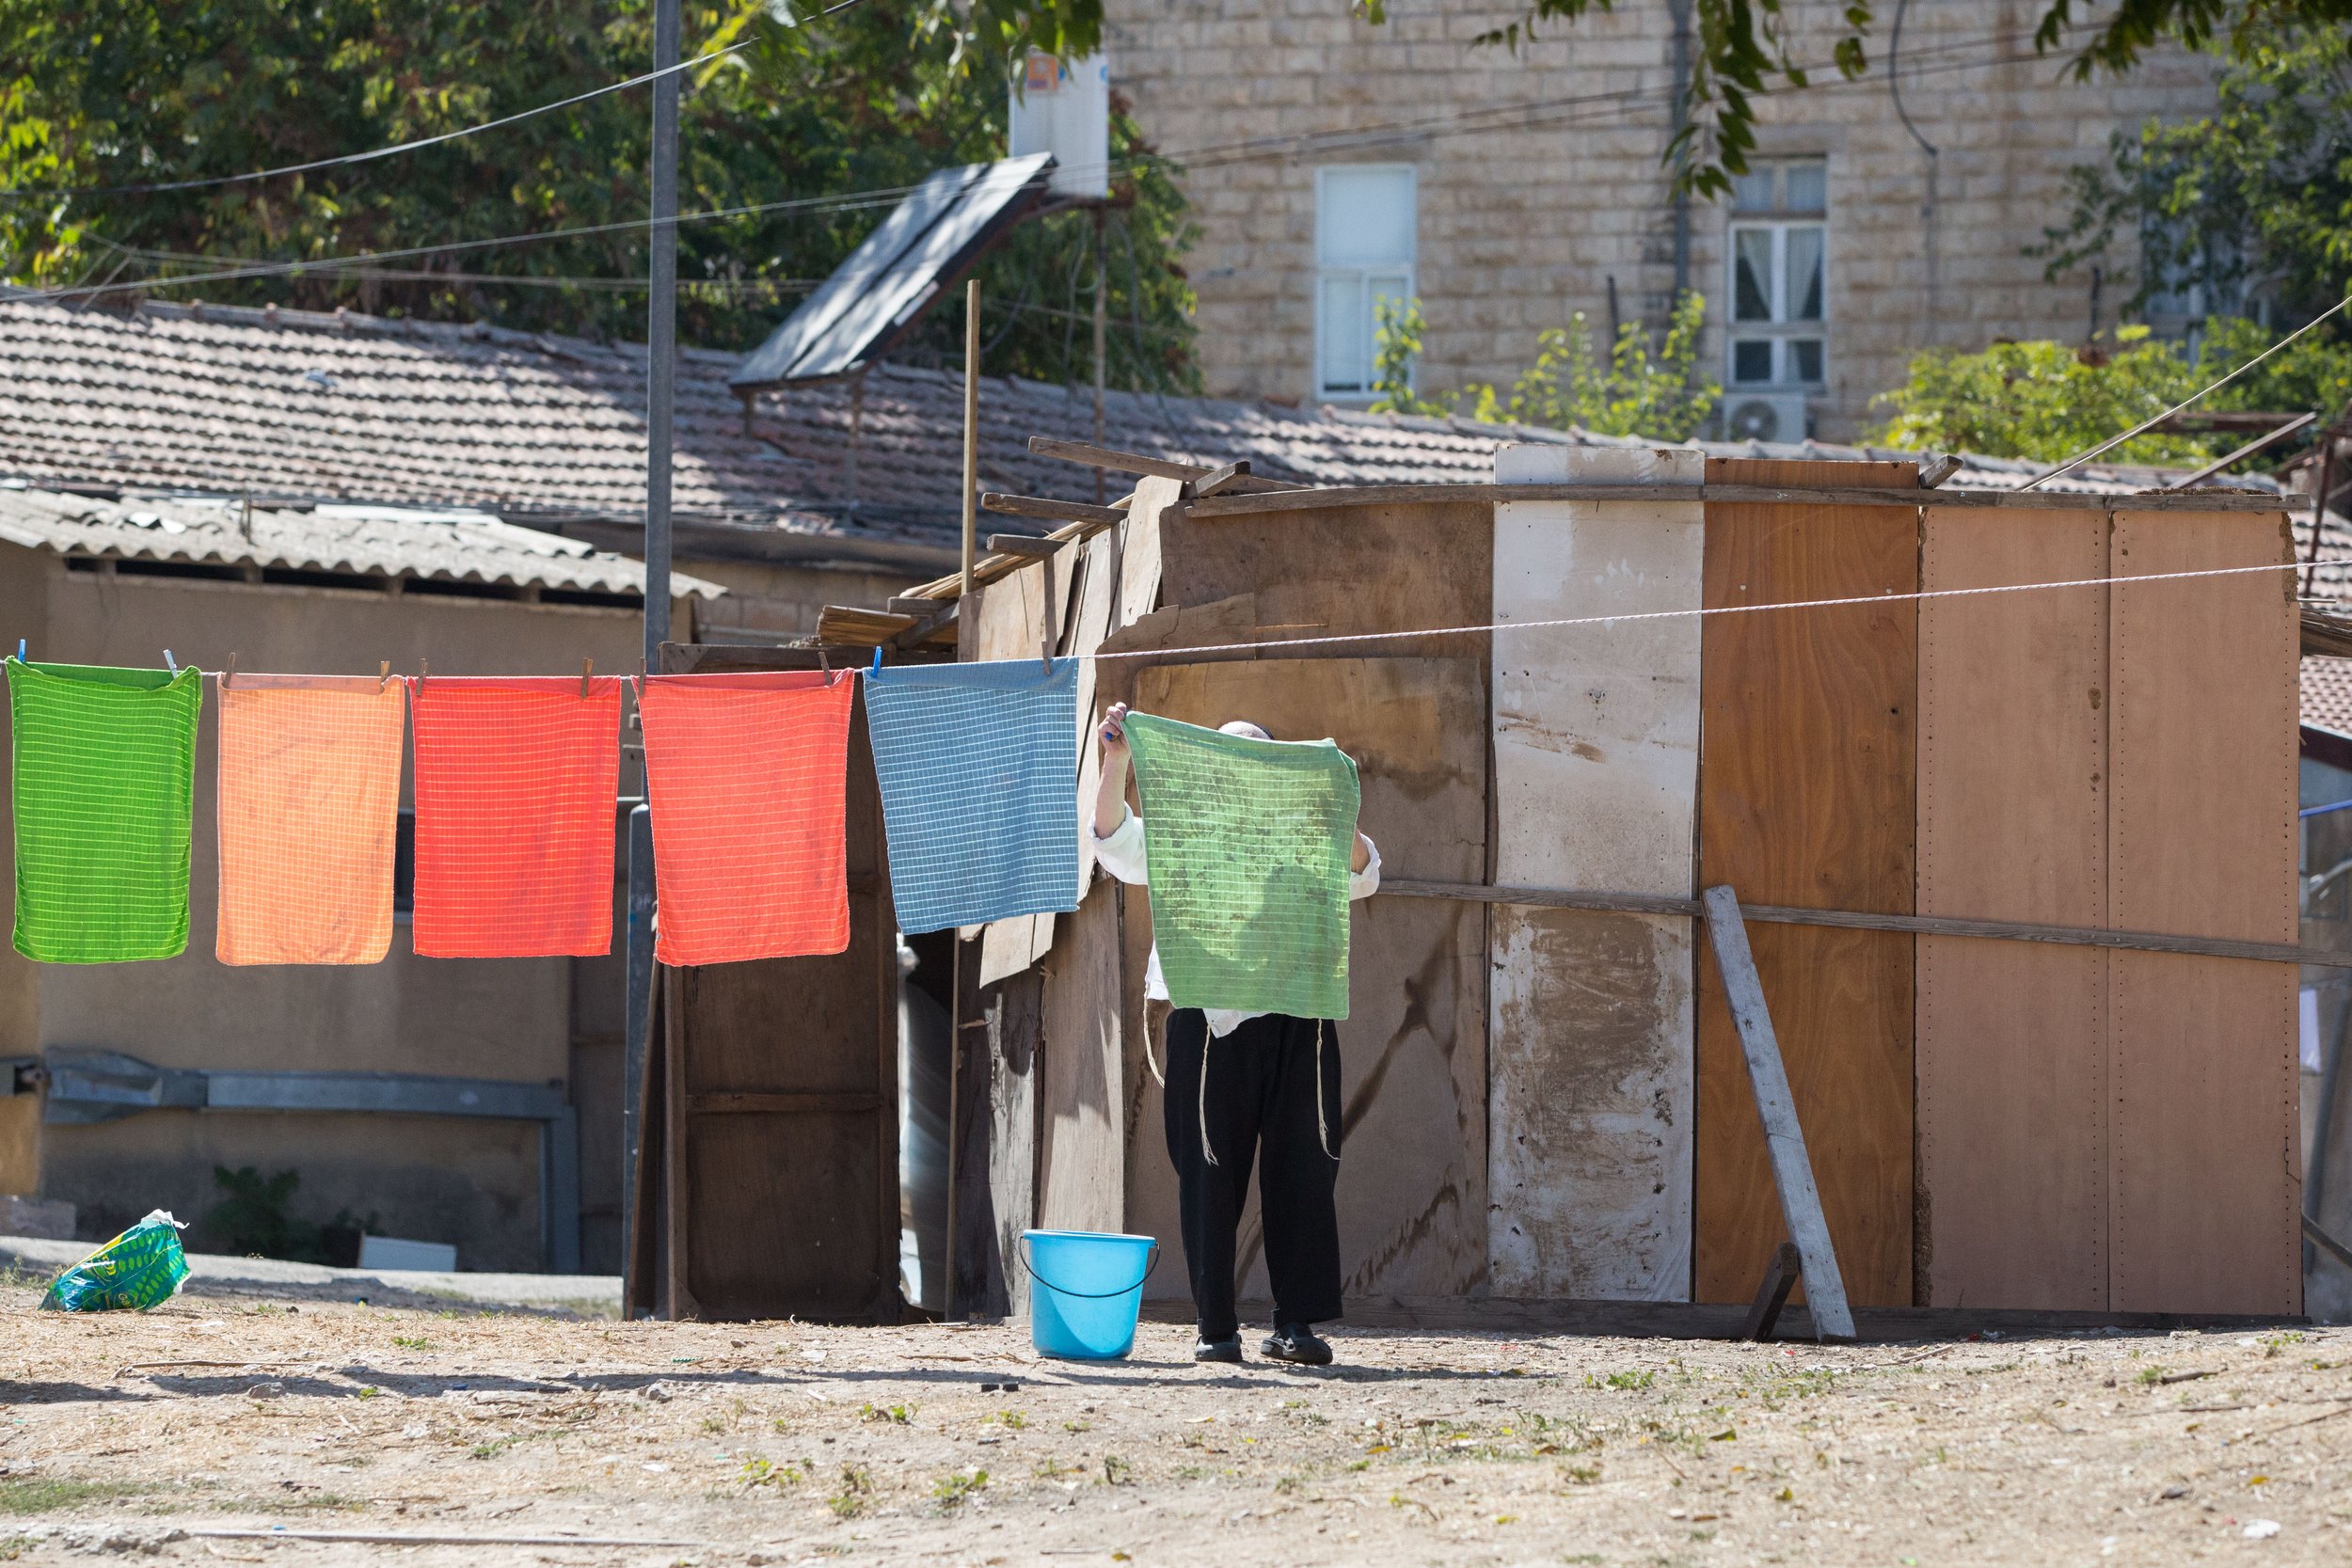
(309, 815)
(516, 783)
(747, 777)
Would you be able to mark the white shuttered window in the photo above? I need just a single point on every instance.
(1364, 224)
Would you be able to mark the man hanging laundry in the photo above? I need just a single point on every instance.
(1244, 1085)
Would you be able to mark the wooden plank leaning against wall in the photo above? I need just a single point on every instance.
(1596, 776)
(1805, 797)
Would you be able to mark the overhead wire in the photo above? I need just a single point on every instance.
(395, 149)
(1554, 112)
(1345, 639)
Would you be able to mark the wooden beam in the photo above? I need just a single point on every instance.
(1792, 1168)
(1232, 506)
(1027, 546)
(1217, 481)
(1050, 510)
(1921, 924)
(1092, 456)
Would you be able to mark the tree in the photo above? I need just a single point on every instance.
(2048, 400)
(854, 108)
(2257, 194)
(1665, 396)
(1742, 48)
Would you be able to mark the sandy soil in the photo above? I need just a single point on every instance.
(778, 1442)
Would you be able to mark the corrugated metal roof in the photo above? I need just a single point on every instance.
(360, 541)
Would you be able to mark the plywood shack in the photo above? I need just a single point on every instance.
(1546, 1103)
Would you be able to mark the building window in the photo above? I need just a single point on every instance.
(1780, 275)
(1364, 217)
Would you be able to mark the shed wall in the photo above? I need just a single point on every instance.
(1595, 735)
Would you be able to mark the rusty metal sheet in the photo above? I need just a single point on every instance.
(1595, 774)
(2012, 1036)
(1412, 1192)
(2205, 1163)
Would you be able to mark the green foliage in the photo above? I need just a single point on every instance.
(115, 92)
(1742, 48)
(1661, 394)
(252, 1221)
(2048, 400)
(2259, 190)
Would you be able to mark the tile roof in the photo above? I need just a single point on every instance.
(2328, 694)
(361, 541)
(307, 406)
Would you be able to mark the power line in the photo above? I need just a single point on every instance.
(393, 150)
(1215, 155)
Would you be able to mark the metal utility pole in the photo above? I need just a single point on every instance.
(661, 405)
(661, 330)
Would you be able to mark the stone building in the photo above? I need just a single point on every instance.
(1332, 162)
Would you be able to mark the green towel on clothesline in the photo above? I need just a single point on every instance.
(1246, 843)
(105, 768)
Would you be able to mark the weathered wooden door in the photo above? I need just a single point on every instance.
(771, 1161)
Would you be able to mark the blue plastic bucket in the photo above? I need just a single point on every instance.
(1089, 1291)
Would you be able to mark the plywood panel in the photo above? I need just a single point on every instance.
(2205, 1164)
(1412, 1190)
(1082, 1154)
(782, 1098)
(1595, 758)
(1357, 568)
(2012, 826)
(1805, 797)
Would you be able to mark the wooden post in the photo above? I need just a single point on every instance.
(971, 418)
(1792, 1168)
(1102, 325)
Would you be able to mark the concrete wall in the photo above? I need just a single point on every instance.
(771, 602)
(473, 1183)
(1525, 217)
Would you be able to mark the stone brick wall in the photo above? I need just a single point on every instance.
(1526, 213)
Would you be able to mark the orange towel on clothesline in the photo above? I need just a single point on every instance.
(516, 783)
(308, 817)
(747, 777)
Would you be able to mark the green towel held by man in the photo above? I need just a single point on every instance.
(1247, 1082)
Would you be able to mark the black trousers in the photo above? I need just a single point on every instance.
(1258, 1100)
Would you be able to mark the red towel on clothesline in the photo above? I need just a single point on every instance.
(747, 776)
(514, 786)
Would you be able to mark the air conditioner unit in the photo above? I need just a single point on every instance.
(1765, 417)
(1064, 108)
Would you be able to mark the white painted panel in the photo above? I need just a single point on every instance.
(1595, 735)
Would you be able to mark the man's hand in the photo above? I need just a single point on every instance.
(1110, 798)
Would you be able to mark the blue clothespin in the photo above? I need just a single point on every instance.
(173, 662)
(20, 650)
(877, 658)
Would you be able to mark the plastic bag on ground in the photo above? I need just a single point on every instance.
(141, 1268)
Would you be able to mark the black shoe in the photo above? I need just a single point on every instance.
(1227, 1349)
(1296, 1343)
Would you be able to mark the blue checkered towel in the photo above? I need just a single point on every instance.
(978, 767)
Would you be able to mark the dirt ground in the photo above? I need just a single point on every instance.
(196, 1432)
